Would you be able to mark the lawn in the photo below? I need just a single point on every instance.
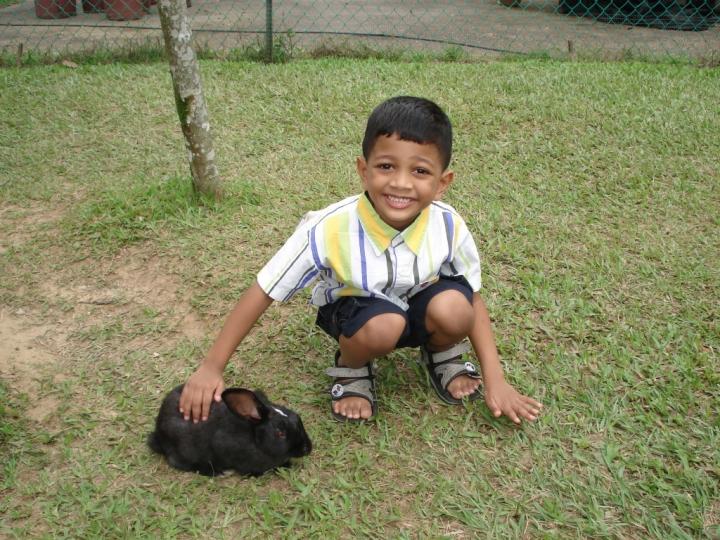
(592, 190)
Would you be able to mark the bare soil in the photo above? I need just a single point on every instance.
(40, 338)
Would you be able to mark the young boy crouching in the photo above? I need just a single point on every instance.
(395, 267)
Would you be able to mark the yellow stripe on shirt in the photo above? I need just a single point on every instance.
(456, 232)
(338, 247)
(352, 291)
(415, 233)
(379, 232)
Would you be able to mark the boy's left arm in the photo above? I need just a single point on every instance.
(500, 396)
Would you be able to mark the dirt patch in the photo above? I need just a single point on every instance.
(28, 354)
(18, 225)
(146, 276)
(132, 280)
(712, 520)
(38, 337)
(149, 280)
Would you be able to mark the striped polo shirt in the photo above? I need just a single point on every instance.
(351, 251)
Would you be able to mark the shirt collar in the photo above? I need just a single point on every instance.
(381, 234)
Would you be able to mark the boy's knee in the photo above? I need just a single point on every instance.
(450, 313)
(382, 333)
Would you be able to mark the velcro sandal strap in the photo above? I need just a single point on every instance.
(358, 388)
(449, 371)
(438, 358)
(365, 372)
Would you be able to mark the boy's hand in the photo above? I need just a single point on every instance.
(203, 386)
(502, 398)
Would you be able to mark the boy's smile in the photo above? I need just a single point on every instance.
(402, 178)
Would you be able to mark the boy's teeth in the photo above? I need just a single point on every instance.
(398, 200)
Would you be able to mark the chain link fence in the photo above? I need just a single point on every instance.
(687, 29)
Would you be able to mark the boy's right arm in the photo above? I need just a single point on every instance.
(207, 383)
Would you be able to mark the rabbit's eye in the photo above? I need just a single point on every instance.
(279, 433)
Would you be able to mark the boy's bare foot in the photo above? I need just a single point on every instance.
(353, 407)
(463, 386)
(359, 408)
(353, 392)
(452, 377)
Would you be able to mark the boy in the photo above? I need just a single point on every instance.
(396, 268)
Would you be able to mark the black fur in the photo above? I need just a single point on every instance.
(244, 432)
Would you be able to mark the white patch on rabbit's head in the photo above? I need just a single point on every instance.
(280, 412)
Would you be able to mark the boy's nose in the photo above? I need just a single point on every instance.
(401, 180)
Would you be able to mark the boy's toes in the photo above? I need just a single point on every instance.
(353, 408)
(462, 386)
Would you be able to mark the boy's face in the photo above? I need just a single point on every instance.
(402, 178)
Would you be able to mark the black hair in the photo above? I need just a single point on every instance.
(412, 119)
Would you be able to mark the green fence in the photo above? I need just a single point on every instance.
(604, 28)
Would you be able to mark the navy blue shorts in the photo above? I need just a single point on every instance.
(347, 315)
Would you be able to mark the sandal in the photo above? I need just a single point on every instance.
(445, 366)
(358, 382)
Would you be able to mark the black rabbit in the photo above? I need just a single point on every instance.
(244, 432)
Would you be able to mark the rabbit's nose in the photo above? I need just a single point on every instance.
(306, 447)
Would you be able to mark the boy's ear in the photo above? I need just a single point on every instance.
(445, 180)
(361, 166)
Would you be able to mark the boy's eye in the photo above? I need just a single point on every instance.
(384, 166)
(422, 171)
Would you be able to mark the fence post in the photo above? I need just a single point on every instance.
(268, 31)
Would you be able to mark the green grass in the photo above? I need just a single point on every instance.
(13, 441)
(285, 49)
(592, 190)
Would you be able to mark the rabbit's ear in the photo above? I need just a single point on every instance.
(267, 405)
(244, 403)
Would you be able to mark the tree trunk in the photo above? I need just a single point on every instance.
(189, 98)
